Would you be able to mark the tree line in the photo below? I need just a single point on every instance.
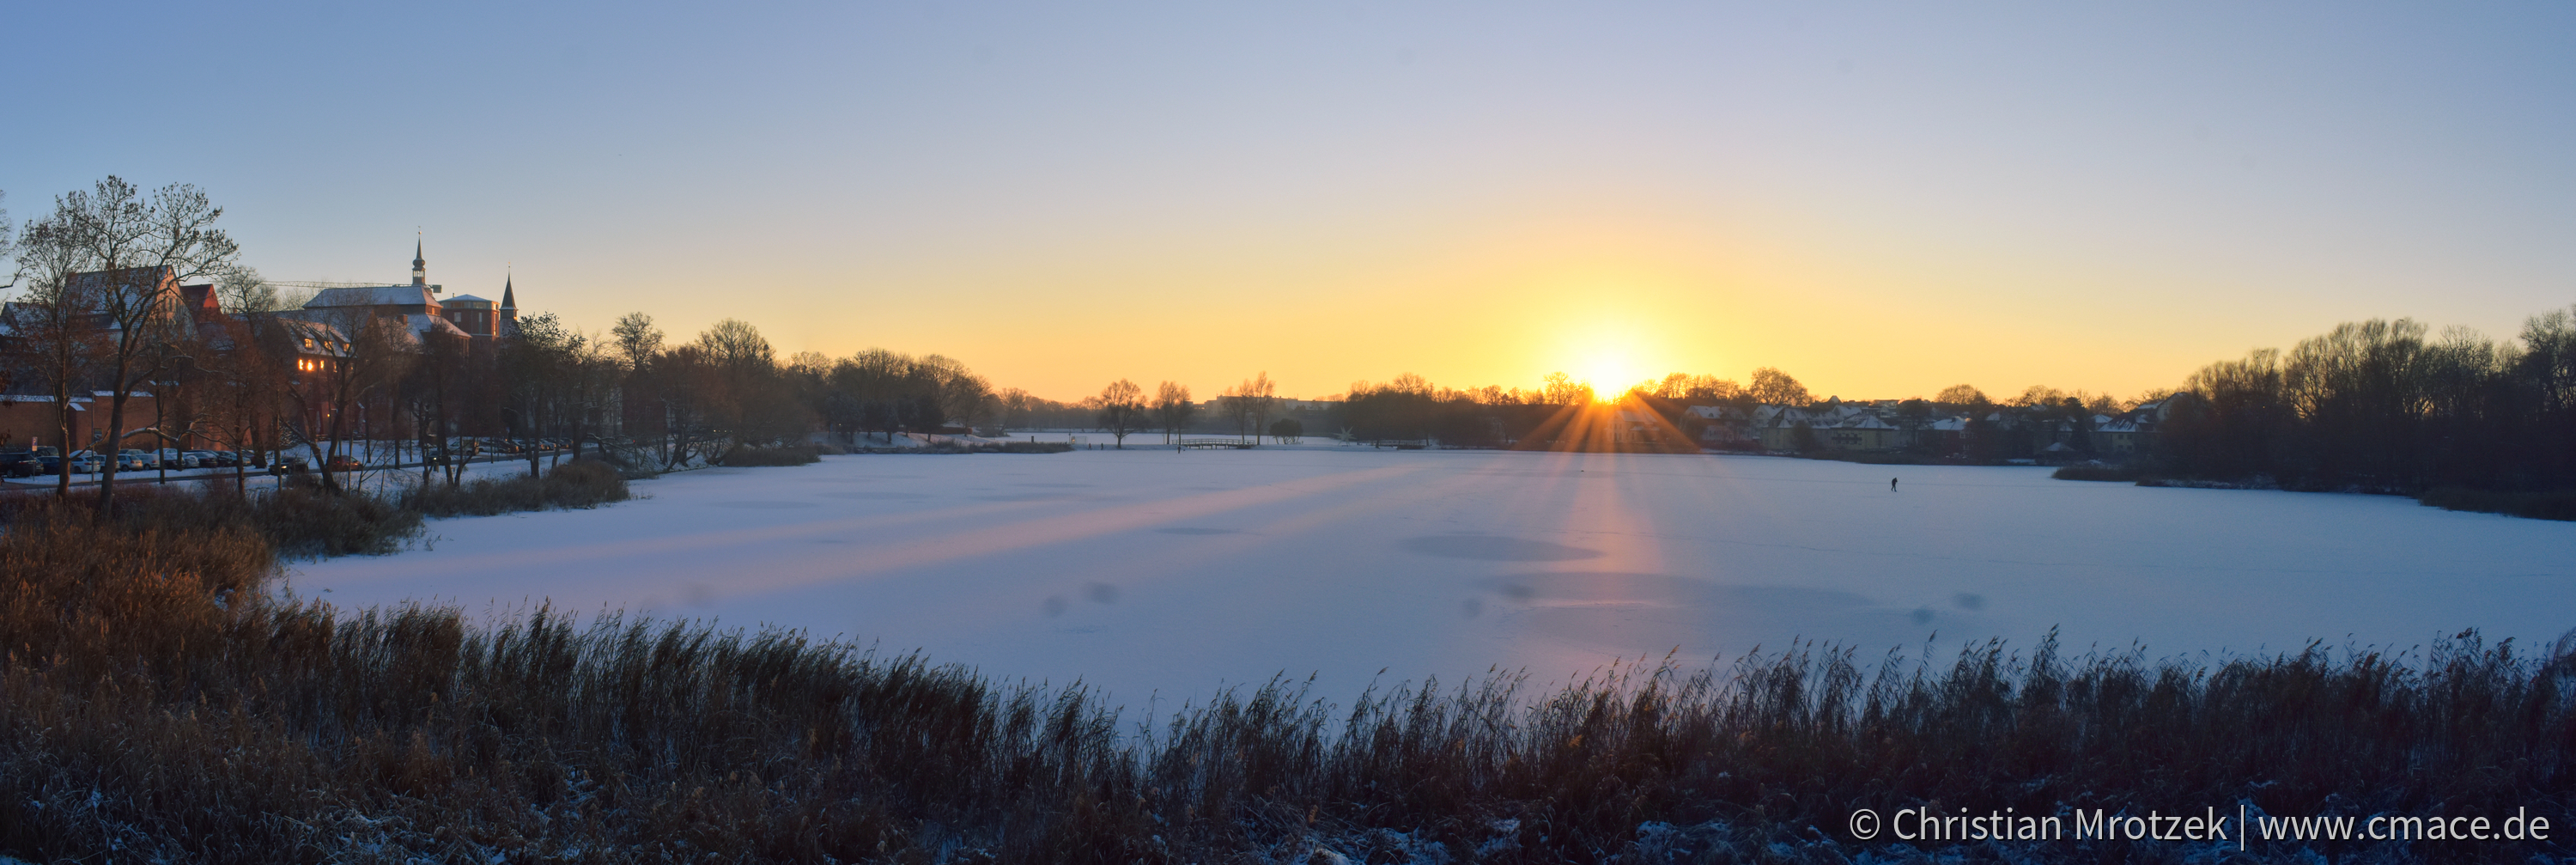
(2388, 406)
(1250, 410)
(2382, 405)
(99, 309)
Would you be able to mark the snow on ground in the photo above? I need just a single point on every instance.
(375, 479)
(1150, 570)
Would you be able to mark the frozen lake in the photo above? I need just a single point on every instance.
(1149, 570)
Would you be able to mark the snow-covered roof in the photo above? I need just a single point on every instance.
(325, 339)
(373, 295)
(420, 324)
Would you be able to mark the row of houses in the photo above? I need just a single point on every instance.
(317, 335)
(2045, 434)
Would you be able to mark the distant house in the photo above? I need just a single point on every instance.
(2117, 436)
(1719, 427)
(1859, 431)
(1835, 426)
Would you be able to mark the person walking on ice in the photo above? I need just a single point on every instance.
(1891, 485)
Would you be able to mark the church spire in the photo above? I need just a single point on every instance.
(419, 267)
(507, 322)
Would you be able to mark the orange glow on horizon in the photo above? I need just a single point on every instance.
(1611, 353)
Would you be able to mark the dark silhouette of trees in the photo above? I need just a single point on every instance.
(1121, 408)
(435, 389)
(1249, 405)
(2379, 405)
(1173, 409)
(1962, 395)
(1561, 389)
(1260, 397)
(1773, 387)
(1410, 408)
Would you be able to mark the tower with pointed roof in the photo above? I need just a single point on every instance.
(509, 310)
(419, 266)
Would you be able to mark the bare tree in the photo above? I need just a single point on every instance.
(242, 291)
(1556, 389)
(637, 339)
(1260, 398)
(686, 384)
(1173, 407)
(1122, 407)
(1962, 395)
(547, 369)
(343, 361)
(133, 251)
(1236, 407)
(431, 389)
(953, 391)
(243, 389)
(1014, 406)
(637, 343)
(747, 399)
(1773, 387)
(51, 336)
(8, 242)
(1709, 389)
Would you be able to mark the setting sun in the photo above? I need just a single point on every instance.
(1611, 354)
(1610, 370)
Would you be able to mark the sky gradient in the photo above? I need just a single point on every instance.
(1880, 199)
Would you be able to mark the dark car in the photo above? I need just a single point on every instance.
(19, 464)
(286, 465)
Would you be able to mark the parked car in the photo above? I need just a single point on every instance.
(88, 462)
(345, 463)
(18, 464)
(131, 460)
(285, 465)
(176, 458)
(202, 459)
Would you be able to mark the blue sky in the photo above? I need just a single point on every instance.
(1882, 199)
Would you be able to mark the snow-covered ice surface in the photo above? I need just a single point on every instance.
(1149, 571)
